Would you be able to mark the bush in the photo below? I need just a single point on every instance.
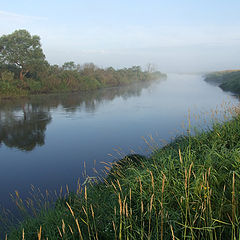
(7, 76)
(35, 86)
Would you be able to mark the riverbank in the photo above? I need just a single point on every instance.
(226, 80)
(24, 70)
(188, 189)
(63, 80)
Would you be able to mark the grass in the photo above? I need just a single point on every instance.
(227, 80)
(188, 189)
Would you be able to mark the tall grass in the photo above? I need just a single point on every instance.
(188, 189)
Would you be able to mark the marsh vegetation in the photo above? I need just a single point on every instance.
(226, 80)
(188, 189)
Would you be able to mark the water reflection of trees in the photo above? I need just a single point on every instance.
(23, 121)
(90, 101)
(24, 128)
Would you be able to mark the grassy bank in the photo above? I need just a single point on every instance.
(226, 80)
(187, 190)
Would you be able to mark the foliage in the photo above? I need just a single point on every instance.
(9, 86)
(87, 77)
(7, 76)
(187, 190)
(22, 56)
(232, 84)
(22, 50)
(69, 66)
(227, 80)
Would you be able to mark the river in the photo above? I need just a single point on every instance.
(45, 140)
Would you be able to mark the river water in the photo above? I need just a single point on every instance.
(45, 140)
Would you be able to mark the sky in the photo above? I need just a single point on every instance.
(173, 35)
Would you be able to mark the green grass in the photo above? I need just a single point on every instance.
(188, 189)
(227, 80)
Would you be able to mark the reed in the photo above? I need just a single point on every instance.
(189, 189)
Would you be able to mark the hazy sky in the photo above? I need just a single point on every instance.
(175, 35)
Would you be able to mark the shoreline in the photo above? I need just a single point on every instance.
(228, 81)
(163, 77)
(191, 168)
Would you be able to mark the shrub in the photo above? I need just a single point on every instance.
(7, 76)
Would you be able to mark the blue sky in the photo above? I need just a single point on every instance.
(174, 35)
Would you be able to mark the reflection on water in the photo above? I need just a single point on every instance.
(46, 139)
(23, 121)
(25, 131)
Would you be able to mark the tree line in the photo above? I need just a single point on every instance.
(24, 70)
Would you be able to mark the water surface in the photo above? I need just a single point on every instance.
(45, 140)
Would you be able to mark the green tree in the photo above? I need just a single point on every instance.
(22, 50)
(69, 66)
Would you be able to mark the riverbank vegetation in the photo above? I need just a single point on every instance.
(226, 80)
(24, 70)
(188, 189)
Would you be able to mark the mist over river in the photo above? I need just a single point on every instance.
(45, 140)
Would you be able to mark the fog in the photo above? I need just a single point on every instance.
(185, 59)
(174, 36)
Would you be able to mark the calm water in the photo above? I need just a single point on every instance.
(45, 140)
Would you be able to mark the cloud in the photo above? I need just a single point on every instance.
(137, 37)
(10, 21)
(13, 17)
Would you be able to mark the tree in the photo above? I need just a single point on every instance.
(69, 66)
(22, 50)
(89, 68)
(150, 68)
